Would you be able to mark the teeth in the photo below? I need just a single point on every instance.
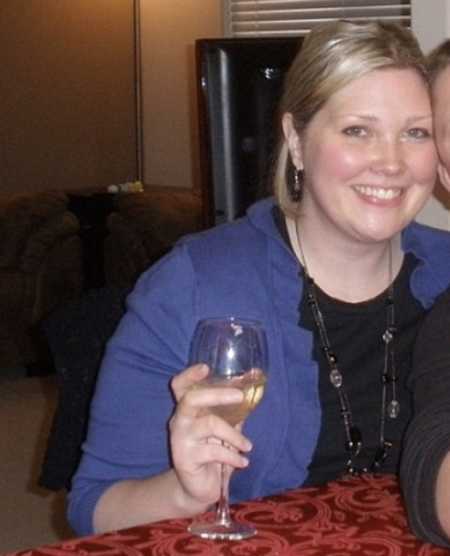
(378, 192)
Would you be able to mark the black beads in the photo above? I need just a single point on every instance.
(353, 437)
(354, 443)
(381, 455)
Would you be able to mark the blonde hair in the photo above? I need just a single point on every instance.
(438, 60)
(331, 56)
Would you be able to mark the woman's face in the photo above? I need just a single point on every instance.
(441, 109)
(368, 156)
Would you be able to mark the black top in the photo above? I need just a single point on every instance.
(355, 333)
(421, 433)
(427, 439)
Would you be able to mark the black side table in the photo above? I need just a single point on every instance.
(92, 210)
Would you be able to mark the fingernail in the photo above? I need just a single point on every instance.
(248, 446)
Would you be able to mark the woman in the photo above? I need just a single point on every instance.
(425, 469)
(356, 163)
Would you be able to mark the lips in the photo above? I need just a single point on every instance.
(381, 193)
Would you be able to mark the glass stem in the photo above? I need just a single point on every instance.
(223, 508)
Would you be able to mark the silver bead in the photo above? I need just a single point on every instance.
(393, 409)
(387, 336)
(336, 378)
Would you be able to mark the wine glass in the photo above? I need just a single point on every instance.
(235, 351)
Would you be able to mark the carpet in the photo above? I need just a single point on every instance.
(30, 515)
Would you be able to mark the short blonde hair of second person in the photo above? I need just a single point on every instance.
(333, 55)
(438, 60)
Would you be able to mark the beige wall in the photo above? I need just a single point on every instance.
(67, 94)
(169, 29)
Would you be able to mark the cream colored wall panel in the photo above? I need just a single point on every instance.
(168, 33)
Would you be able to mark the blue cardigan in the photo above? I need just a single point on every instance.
(127, 436)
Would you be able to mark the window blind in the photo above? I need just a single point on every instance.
(250, 18)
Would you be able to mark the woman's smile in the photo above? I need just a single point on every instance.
(378, 194)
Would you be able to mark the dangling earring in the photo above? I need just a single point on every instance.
(296, 193)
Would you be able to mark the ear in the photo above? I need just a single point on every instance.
(293, 140)
(444, 176)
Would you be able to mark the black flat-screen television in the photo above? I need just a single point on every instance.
(239, 83)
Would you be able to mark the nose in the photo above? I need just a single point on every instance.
(388, 157)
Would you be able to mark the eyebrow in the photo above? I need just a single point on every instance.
(419, 118)
(370, 118)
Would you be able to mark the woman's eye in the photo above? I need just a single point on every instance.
(355, 131)
(419, 133)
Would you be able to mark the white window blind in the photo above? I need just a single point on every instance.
(250, 18)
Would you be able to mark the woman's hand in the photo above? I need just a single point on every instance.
(193, 483)
(196, 436)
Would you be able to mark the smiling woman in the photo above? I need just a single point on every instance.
(334, 269)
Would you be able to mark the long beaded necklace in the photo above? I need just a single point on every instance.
(353, 436)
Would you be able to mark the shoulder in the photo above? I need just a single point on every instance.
(208, 265)
(244, 239)
(431, 352)
(431, 246)
(425, 240)
(438, 319)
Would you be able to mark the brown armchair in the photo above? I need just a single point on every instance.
(143, 227)
(40, 268)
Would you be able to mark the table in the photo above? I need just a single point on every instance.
(92, 209)
(356, 515)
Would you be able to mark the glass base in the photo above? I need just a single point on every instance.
(217, 531)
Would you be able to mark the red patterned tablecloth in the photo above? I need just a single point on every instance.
(361, 516)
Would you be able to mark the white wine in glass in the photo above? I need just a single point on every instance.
(252, 384)
(235, 351)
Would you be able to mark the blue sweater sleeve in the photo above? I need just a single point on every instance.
(127, 433)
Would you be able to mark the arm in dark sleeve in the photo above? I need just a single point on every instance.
(427, 439)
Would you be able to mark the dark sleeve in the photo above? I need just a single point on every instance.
(77, 334)
(427, 439)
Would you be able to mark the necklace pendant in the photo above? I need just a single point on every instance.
(393, 409)
(336, 378)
